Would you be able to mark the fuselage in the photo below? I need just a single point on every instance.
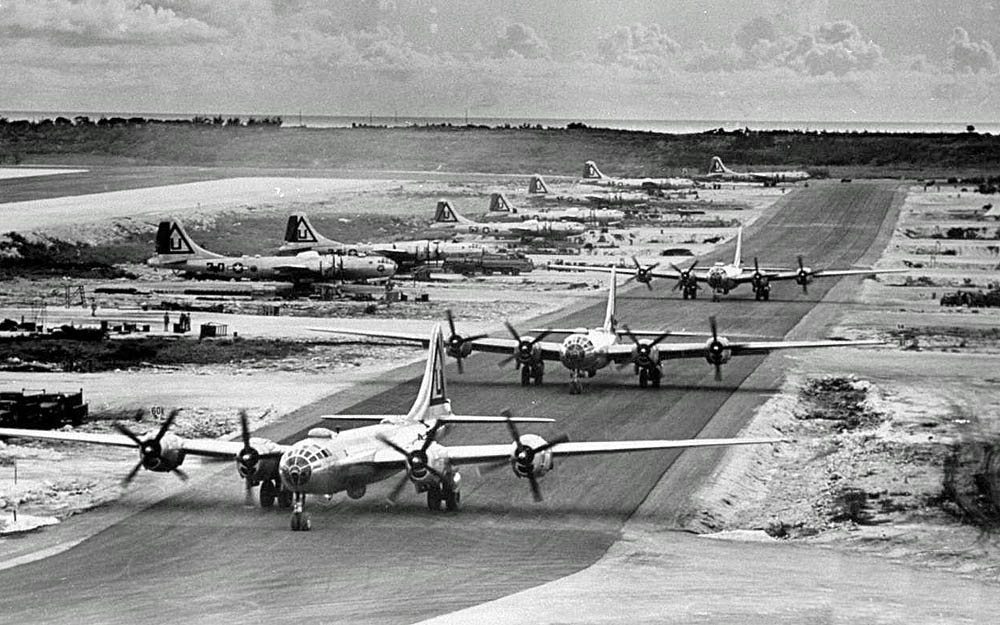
(587, 350)
(721, 277)
(308, 266)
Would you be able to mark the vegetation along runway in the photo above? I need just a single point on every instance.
(201, 556)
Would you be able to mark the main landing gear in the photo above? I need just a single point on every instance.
(690, 292)
(271, 490)
(300, 520)
(447, 494)
(649, 376)
(532, 372)
(762, 293)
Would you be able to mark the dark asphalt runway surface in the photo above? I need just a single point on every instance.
(201, 556)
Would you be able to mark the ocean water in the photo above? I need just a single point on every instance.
(670, 126)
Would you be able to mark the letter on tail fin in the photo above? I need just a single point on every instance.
(738, 257)
(716, 167)
(432, 399)
(499, 203)
(299, 230)
(590, 171)
(537, 185)
(610, 322)
(446, 213)
(175, 244)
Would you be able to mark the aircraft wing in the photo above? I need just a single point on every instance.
(829, 273)
(479, 454)
(668, 351)
(208, 447)
(458, 419)
(295, 270)
(550, 351)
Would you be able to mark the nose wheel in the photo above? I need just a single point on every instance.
(300, 520)
(575, 386)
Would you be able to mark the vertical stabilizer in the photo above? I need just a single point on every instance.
(738, 257)
(716, 166)
(500, 203)
(610, 322)
(432, 399)
(537, 185)
(174, 245)
(591, 172)
(300, 232)
(446, 214)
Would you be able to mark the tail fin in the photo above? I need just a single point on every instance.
(299, 232)
(537, 185)
(173, 244)
(610, 321)
(738, 257)
(500, 203)
(432, 398)
(717, 167)
(591, 172)
(446, 214)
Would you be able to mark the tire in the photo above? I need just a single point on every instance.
(643, 377)
(538, 378)
(525, 375)
(434, 499)
(452, 498)
(268, 493)
(655, 375)
(284, 499)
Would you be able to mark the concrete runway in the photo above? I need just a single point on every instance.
(200, 556)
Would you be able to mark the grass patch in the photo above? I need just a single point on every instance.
(842, 401)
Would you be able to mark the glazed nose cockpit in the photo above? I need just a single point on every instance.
(297, 465)
(576, 349)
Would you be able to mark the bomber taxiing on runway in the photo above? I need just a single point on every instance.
(176, 251)
(300, 235)
(717, 171)
(327, 462)
(584, 351)
(445, 216)
(723, 278)
(593, 176)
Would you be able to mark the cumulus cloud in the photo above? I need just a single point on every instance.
(836, 48)
(520, 40)
(101, 22)
(967, 56)
(640, 46)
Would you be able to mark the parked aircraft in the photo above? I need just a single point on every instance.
(584, 351)
(593, 176)
(300, 235)
(447, 217)
(326, 462)
(718, 171)
(500, 204)
(539, 193)
(723, 278)
(176, 251)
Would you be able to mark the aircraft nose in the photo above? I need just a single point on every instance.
(296, 471)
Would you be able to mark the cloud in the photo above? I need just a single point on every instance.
(836, 48)
(520, 40)
(639, 46)
(101, 22)
(966, 56)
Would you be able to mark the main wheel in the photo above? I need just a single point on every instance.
(684, 294)
(451, 499)
(539, 373)
(267, 494)
(767, 295)
(284, 499)
(654, 377)
(643, 377)
(525, 375)
(434, 499)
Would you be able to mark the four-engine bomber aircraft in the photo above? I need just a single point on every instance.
(499, 204)
(723, 278)
(445, 216)
(584, 351)
(300, 235)
(328, 462)
(718, 171)
(593, 176)
(176, 251)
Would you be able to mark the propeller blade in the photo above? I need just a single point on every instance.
(513, 332)
(715, 328)
(648, 285)
(382, 438)
(397, 489)
(536, 492)
(559, 440)
(180, 474)
(166, 424)
(451, 321)
(248, 492)
(636, 263)
(718, 372)
(244, 428)
(129, 433)
(458, 363)
(131, 474)
(541, 336)
(629, 334)
(514, 434)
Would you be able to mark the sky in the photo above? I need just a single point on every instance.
(772, 60)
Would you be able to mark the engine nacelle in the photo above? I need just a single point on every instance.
(162, 457)
(645, 356)
(459, 349)
(538, 464)
(263, 468)
(436, 458)
(804, 277)
(717, 351)
(528, 353)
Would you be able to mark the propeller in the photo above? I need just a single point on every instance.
(150, 449)
(525, 346)
(642, 274)
(247, 458)
(803, 277)
(686, 277)
(715, 349)
(524, 455)
(643, 350)
(456, 342)
(417, 463)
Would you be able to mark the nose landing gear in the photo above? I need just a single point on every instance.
(300, 520)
